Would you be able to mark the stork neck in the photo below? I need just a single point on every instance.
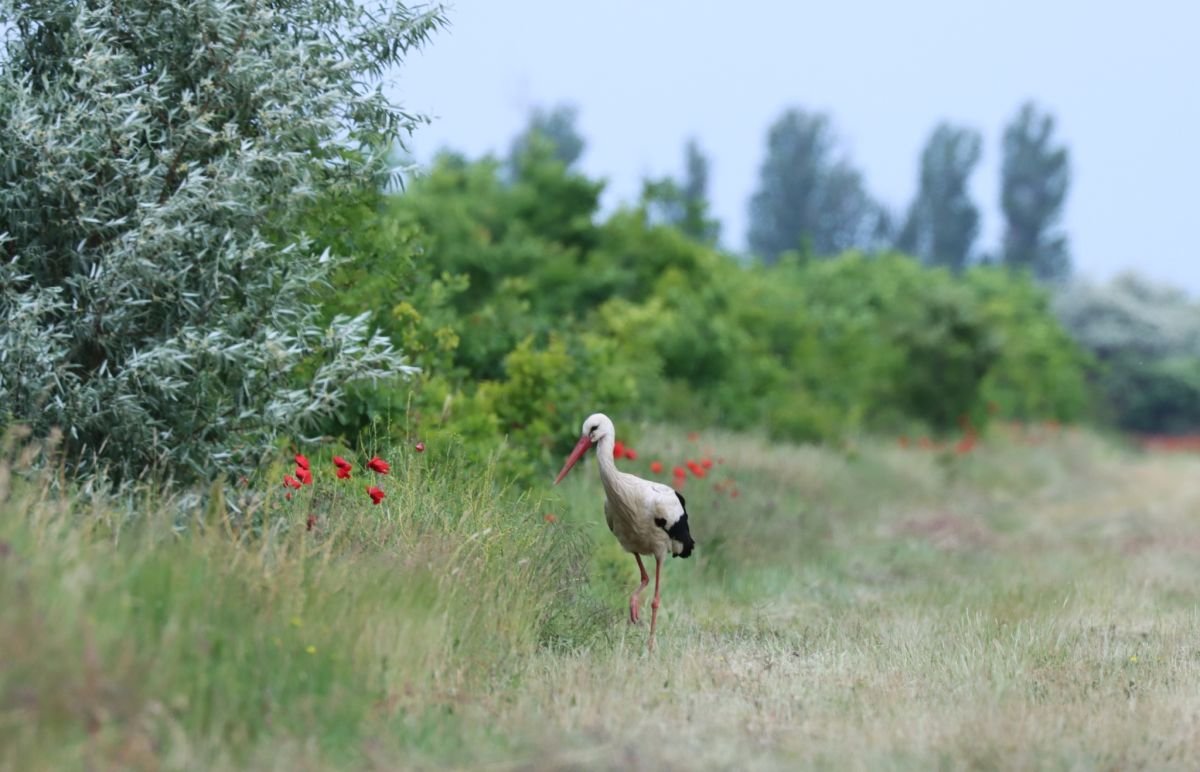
(604, 459)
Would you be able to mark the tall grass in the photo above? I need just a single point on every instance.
(1030, 604)
(126, 639)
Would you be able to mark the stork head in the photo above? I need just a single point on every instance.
(596, 427)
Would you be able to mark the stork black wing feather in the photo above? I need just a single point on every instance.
(679, 533)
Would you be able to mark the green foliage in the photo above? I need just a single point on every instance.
(1040, 372)
(684, 205)
(154, 288)
(1034, 177)
(943, 221)
(1161, 396)
(557, 129)
(1145, 344)
(526, 314)
(808, 198)
(479, 278)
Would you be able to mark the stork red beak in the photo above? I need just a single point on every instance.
(580, 448)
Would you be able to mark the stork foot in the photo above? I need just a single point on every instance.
(634, 617)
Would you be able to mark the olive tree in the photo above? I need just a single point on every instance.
(156, 297)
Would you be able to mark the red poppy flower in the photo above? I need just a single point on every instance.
(343, 472)
(291, 482)
(375, 493)
(706, 462)
(377, 464)
(733, 494)
(420, 446)
(288, 495)
(549, 517)
(965, 445)
(618, 449)
(340, 462)
(304, 475)
(301, 461)
(696, 468)
(631, 454)
(310, 523)
(678, 472)
(656, 467)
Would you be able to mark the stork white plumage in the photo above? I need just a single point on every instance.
(648, 518)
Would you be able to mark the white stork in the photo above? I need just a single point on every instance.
(648, 518)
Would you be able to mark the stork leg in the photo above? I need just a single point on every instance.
(637, 594)
(655, 603)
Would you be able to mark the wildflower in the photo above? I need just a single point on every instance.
(288, 495)
(618, 449)
(375, 493)
(733, 494)
(706, 462)
(965, 445)
(377, 464)
(656, 467)
(903, 441)
(420, 446)
(291, 482)
(310, 523)
(550, 517)
(696, 468)
(343, 472)
(631, 454)
(678, 473)
(301, 461)
(339, 462)
(304, 475)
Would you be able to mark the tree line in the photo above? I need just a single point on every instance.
(811, 200)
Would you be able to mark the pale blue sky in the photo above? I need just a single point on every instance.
(1123, 80)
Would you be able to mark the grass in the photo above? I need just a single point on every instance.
(1029, 605)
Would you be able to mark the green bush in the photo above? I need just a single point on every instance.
(1144, 347)
(155, 292)
(526, 317)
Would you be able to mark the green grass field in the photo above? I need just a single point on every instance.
(1032, 604)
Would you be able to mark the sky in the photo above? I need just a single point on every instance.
(1122, 80)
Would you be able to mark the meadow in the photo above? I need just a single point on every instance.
(1028, 604)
